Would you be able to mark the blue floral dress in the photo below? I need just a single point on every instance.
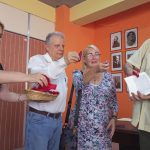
(97, 105)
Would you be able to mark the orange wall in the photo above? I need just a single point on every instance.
(13, 54)
(136, 17)
(78, 37)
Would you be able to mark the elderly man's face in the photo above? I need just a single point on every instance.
(56, 48)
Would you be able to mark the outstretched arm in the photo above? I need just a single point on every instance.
(6, 95)
(11, 77)
(128, 69)
(89, 74)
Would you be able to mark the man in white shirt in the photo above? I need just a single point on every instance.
(44, 122)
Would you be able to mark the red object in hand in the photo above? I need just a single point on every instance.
(80, 55)
(53, 92)
(136, 73)
(44, 88)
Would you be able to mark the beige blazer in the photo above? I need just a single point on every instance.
(141, 110)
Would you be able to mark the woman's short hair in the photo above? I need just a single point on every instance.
(90, 46)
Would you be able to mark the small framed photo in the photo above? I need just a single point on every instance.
(118, 81)
(115, 41)
(131, 38)
(129, 54)
(116, 61)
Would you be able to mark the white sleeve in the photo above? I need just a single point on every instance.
(137, 58)
(38, 65)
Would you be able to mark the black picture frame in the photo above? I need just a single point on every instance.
(116, 41)
(116, 61)
(117, 77)
(131, 38)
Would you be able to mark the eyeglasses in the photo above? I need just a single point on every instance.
(91, 55)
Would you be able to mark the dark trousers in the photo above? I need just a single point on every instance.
(144, 138)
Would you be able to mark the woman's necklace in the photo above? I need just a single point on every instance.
(97, 78)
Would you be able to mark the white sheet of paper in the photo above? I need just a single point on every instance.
(141, 83)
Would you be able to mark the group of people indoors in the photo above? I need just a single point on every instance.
(98, 105)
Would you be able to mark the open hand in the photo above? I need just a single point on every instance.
(112, 126)
(72, 57)
(139, 96)
(103, 67)
(38, 78)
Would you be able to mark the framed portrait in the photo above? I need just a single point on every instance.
(115, 41)
(129, 54)
(131, 38)
(116, 61)
(118, 81)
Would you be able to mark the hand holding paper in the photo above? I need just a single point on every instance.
(141, 84)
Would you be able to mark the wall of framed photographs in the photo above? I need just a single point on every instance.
(118, 37)
(117, 45)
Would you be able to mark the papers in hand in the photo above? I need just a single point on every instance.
(141, 83)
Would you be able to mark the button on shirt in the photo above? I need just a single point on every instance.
(55, 70)
(141, 110)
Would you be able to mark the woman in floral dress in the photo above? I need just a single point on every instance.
(98, 105)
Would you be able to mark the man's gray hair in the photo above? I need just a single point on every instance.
(50, 35)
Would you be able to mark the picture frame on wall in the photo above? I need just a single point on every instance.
(115, 41)
(117, 77)
(116, 61)
(131, 38)
(129, 54)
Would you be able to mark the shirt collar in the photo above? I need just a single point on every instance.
(48, 58)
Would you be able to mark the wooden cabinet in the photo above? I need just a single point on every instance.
(127, 136)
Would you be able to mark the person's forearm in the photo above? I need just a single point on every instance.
(11, 77)
(13, 97)
(89, 74)
(141, 96)
(128, 69)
